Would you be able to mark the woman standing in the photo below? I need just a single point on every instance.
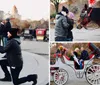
(71, 25)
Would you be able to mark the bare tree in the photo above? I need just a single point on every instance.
(56, 4)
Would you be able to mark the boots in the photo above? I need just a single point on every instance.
(6, 78)
(32, 78)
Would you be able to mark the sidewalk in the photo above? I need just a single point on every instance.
(33, 64)
(81, 34)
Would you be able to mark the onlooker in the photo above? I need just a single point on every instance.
(61, 26)
(5, 30)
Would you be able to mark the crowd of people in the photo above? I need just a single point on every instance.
(13, 55)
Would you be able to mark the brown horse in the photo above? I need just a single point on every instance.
(93, 14)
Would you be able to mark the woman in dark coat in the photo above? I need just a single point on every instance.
(70, 34)
(71, 25)
(14, 60)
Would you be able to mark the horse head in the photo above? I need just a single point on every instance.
(84, 18)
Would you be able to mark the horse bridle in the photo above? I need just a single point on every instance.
(90, 12)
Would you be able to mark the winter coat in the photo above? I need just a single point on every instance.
(13, 53)
(7, 28)
(61, 27)
(70, 34)
(84, 55)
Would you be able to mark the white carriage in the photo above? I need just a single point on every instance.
(60, 75)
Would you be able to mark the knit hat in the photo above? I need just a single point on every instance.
(65, 9)
(71, 15)
(13, 32)
(8, 19)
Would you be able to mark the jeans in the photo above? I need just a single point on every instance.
(14, 72)
(5, 41)
(80, 62)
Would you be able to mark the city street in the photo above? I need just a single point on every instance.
(37, 47)
(36, 61)
(82, 34)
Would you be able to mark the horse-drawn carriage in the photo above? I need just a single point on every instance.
(60, 75)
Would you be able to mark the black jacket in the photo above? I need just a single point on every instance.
(71, 23)
(2, 27)
(13, 52)
(6, 29)
(84, 55)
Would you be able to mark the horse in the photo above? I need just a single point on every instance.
(93, 14)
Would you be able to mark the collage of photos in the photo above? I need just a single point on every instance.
(50, 42)
(74, 42)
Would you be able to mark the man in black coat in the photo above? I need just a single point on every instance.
(5, 30)
(84, 54)
(14, 60)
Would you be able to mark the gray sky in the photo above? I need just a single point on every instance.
(33, 9)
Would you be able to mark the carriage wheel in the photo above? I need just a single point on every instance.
(60, 77)
(93, 74)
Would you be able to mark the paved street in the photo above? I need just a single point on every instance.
(82, 34)
(38, 47)
(35, 56)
